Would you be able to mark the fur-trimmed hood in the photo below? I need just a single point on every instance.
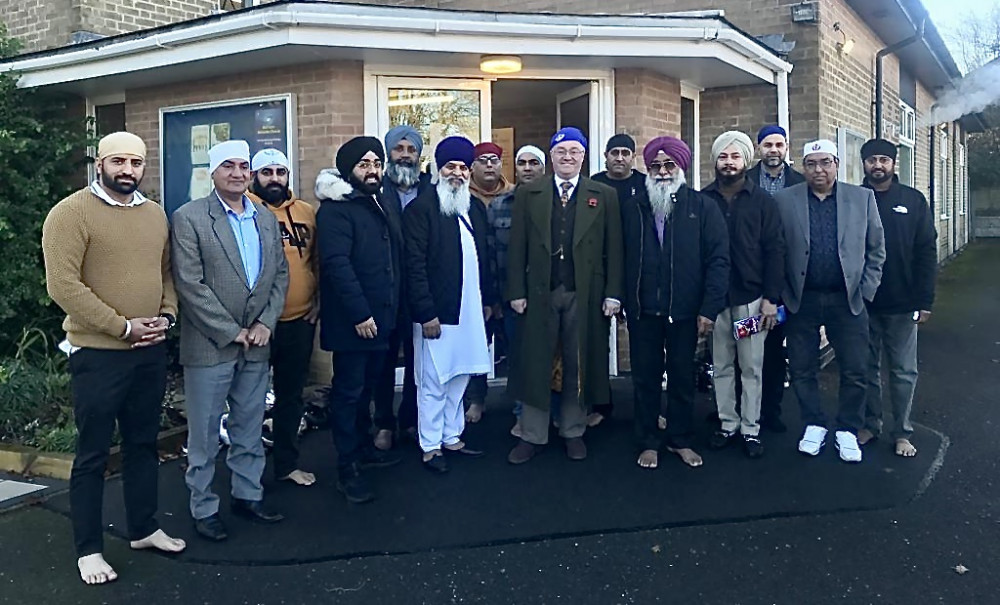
(331, 186)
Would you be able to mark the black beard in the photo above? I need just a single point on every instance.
(729, 179)
(274, 194)
(365, 188)
(878, 181)
(773, 161)
(122, 188)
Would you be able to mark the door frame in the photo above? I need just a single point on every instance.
(385, 82)
(591, 88)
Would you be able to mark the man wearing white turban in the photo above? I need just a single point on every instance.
(756, 276)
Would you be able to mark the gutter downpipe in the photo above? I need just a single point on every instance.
(888, 50)
(783, 115)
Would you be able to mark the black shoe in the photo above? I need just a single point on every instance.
(465, 450)
(752, 446)
(354, 487)
(211, 528)
(773, 424)
(437, 465)
(373, 458)
(255, 511)
(720, 439)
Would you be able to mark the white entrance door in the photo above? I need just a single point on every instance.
(579, 107)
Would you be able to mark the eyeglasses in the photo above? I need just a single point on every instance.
(656, 167)
(561, 153)
(486, 160)
(369, 164)
(814, 164)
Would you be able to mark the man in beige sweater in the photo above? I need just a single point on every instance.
(107, 265)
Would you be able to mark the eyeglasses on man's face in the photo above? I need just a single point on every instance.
(486, 160)
(668, 165)
(370, 164)
(574, 153)
(823, 164)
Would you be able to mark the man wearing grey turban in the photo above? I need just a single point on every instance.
(756, 276)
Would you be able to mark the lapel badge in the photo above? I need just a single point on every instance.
(592, 202)
(901, 209)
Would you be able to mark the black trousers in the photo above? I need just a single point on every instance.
(127, 387)
(385, 391)
(291, 350)
(355, 374)
(773, 375)
(654, 345)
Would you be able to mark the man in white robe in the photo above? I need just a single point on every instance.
(450, 290)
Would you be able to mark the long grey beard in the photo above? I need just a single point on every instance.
(454, 200)
(404, 177)
(661, 192)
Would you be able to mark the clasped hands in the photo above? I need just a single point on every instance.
(257, 335)
(147, 331)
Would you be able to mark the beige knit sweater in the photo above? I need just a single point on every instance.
(105, 264)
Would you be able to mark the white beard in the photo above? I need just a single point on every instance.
(404, 177)
(453, 200)
(661, 192)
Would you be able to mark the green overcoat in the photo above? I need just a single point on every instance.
(598, 271)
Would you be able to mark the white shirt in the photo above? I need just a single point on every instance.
(137, 198)
(573, 181)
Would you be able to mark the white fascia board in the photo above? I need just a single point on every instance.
(239, 33)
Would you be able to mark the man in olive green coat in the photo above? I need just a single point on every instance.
(565, 282)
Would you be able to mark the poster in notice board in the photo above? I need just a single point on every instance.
(188, 132)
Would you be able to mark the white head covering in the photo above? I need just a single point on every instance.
(820, 146)
(268, 157)
(733, 137)
(227, 150)
(531, 149)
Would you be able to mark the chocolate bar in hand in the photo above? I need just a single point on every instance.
(755, 323)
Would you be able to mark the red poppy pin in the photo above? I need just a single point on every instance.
(592, 202)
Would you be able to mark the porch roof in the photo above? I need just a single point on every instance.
(700, 48)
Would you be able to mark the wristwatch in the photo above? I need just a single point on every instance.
(171, 320)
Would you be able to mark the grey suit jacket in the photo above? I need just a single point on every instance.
(215, 301)
(860, 236)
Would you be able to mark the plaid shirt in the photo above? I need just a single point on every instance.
(771, 184)
(499, 214)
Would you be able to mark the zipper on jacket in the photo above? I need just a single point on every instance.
(642, 239)
(670, 307)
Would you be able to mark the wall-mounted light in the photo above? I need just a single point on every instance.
(805, 12)
(500, 64)
(846, 45)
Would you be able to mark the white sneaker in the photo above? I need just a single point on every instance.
(813, 440)
(847, 445)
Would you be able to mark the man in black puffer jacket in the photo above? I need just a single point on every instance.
(359, 247)
(905, 296)
(676, 279)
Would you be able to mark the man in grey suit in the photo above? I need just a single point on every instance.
(231, 277)
(833, 264)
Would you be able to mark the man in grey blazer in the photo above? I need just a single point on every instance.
(833, 264)
(231, 277)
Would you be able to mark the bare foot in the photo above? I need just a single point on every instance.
(95, 570)
(160, 541)
(864, 436)
(595, 419)
(661, 423)
(299, 477)
(688, 456)
(649, 459)
(475, 413)
(383, 439)
(905, 449)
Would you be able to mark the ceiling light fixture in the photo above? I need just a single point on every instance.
(500, 64)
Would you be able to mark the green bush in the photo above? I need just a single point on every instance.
(35, 397)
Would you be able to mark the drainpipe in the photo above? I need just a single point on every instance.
(930, 175)
(888, 50)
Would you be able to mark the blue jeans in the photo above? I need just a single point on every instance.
(848, 334)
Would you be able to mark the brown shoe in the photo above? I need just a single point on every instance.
(576, 449)
(522, 452)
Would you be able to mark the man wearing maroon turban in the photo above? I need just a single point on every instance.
(676, 279)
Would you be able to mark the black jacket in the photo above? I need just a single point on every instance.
(792, 177)
(394, 206)
(756, 243)
(434, 258)
(910, 269)
(689, 275)
(625, 188)
(360, 247)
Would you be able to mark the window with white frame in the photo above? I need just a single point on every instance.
(944, 176)
(907, 140)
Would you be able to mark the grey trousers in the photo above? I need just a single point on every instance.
(750, 352)
(207, 389)
(572, 417)
(896, 336)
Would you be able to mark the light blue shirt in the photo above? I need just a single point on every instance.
(247, 237)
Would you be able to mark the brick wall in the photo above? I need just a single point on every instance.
(38, 24)
(743, 108)
(330, 111)
(647, 105)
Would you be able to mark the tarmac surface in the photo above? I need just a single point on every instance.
(783, 529)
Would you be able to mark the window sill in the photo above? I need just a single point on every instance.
(945, 217)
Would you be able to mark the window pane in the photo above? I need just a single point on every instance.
(904, 165)
(436, 114)
(109, 118)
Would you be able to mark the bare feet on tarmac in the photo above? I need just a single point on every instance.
(301, 477)
(595, 419)
(95, 570)
(864, 436)
(649, 459)
(383, 440)
(160, 541)
(905, 449)
(475, 413)
(688, 456)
